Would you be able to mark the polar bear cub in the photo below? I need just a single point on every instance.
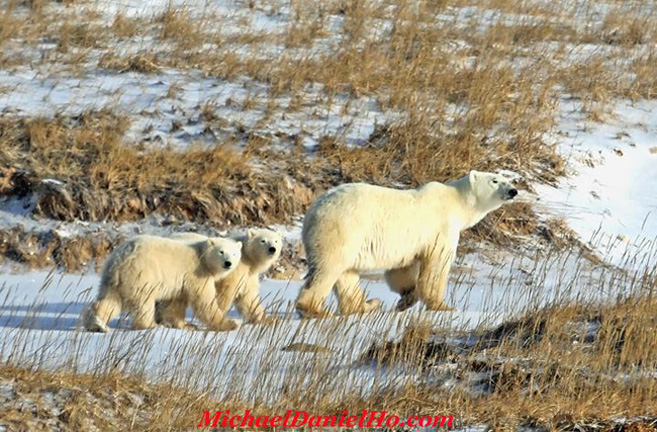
(146, 269)
(261, 248)
(412, 234)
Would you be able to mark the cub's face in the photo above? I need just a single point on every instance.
(264, 245)
(492, 190)
(223, 254)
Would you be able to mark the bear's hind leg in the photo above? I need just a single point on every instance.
(351, 298)
(318, 286)
(101, 312)
(171, 313)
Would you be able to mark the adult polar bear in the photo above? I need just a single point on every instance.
(412, 234)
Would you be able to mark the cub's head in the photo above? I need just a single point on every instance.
(491, 190)
(222, 254)
(263, 245)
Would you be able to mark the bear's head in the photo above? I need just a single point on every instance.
(263, 246)
(491, 190)
(221, 255)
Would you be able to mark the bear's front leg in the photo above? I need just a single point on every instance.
(432, 280)
(248, 302)
(203, 300)
(407, 300)
(403, 281)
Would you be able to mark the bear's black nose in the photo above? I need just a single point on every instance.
(228, 264)
(513, 192)
(272, 250)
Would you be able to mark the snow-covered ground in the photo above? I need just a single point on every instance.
(610, 197)
(610, 193)
(40, 312)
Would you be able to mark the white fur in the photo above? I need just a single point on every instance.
(358, 227)
(260, 249)
(146, 269)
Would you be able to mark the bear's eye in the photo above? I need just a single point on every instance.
(495, 181)
(262, 241)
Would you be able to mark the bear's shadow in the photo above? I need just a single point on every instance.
(65, 317)
(48, 316)
(43, 316)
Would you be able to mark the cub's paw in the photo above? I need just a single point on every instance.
(189, 326)
(228, 325)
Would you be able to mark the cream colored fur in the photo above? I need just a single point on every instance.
(412, 234)
(146, 269)
(260, 249)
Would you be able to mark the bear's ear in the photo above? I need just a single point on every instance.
(239, 245)
(209, 243)
(473, 176)
(250, 233)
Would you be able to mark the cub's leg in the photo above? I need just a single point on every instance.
(171, 313)
(101, 312)
(143, 315)
(248, 302)
(203, 300)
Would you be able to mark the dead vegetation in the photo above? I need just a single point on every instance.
(476, 92)
(40, 400)
(79, 169)
(464, 92)
(570, 366)
(585, 365)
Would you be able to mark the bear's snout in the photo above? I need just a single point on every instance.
(228, 264)
(513, 192)
(272, 250)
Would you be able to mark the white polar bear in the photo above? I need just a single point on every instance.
(413, 234)
(146, 269)
(260, 249)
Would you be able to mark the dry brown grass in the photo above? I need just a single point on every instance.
(78, 169)
(468, 94)
(567, 366)
(545, 370)
(104, 180)
(71, 402)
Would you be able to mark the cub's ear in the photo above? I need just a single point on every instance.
(473, 176)
(209, 242)
(239, 245)
(250, 233)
